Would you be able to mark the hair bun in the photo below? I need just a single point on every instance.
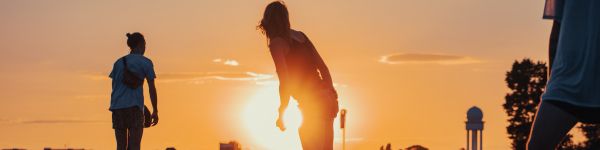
(128, 34)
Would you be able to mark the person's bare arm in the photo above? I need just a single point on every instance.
(154, 100)
(323, 70)
(278, 48)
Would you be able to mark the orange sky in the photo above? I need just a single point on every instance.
(406, 70)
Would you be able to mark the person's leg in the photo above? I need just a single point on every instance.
(550, 127)
(316, 132)
(119, 124)
(121, 136)
(135, 138)
(306, 133)
(136, 129)
(327, 129)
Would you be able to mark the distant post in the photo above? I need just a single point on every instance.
(343, 127)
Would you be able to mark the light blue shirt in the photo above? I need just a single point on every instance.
(123, 96)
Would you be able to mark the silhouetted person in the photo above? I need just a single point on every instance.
(127, 98)
(573, 91)
(303, 75)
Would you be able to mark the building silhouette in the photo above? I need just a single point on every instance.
(232, 145)
(474, 126)
(416, 147)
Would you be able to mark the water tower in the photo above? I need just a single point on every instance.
(474, 127)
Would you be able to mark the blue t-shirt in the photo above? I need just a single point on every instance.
(123, 96)
(575, 77)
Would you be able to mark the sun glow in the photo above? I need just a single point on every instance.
(259, 118)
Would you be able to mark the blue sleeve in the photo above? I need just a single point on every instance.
(112, 72)
(150, 74)
(560, 5)
(553, 9)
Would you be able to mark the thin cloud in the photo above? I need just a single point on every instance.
(227, 62)
(422, 58)
(199, 77)
(59, 121)
(96, 77)
(49, 121)
(276, 82)
(6, 121)
(92, 97)
(231, 63)
(349, 140)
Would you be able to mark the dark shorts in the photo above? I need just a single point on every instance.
(127, 118)
(317, 104)
(582, 114)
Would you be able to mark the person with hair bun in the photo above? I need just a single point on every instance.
(127, 97)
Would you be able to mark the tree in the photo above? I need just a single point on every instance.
(592, 134)
(387, 147)
(568, 144)
(526, 81)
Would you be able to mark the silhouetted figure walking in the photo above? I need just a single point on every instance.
(302, 74)
(127, 98)
(573, 91)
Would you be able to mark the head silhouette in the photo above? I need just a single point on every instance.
(136, 42)
(275, 21)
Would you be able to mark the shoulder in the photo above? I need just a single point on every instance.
(278, 44)
(118, 61)
(277, 41)
(141, 58)
(298, 36)
(147, 61)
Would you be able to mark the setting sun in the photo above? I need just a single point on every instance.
(259, 120)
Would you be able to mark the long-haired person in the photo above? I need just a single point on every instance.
(127, 98)
(302, 75)
(573, 91)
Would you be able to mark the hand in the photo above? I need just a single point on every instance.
(280, 123)
(154, 118)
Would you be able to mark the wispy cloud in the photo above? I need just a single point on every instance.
(227, 62)
(48, 121)
(59, 121)
(423, 58)
(96, 76)
(199, 77)
(92, 97)
(349, 140)
(6, 121)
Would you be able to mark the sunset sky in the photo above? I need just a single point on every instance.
(406, 70)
